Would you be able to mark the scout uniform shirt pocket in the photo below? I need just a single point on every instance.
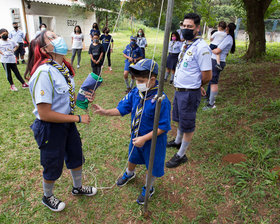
(63, 92)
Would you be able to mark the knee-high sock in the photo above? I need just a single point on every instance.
(172, 77)
(179, 136)
(183, 149)
(48, 188)
(77, 178)
(166, 75)
(126, 83)
(212, 97)
(152, 182)
(131, 83)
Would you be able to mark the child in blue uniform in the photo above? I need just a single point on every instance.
(142, 123)
(107, 42)
(132, 53)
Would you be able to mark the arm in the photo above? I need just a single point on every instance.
(47, 114)
(91, 57)
(206, 77)
(110, 112)
(137, 59)
(127, 57)
(217, 51)
(112, 46)
(100, 57)
(141, 140)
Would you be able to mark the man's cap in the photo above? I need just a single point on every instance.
(133, 38)
(146, 64)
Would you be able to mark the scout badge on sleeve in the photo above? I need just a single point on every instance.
(88, 84)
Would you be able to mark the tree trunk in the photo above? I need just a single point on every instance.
(255, 25)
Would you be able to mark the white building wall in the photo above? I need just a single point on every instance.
(6, 15)
(62, 22)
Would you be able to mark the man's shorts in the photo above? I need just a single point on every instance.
(185, 106)
(213, 46)
(216, 72)
(58, 142)
(20, 51)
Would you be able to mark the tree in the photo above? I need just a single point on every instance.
(255, 13)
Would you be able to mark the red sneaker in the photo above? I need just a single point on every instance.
(13, 88)
(25, 85)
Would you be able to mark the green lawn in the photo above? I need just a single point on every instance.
(205, 190)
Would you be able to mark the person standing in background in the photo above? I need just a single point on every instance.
(94, 30)
(141, 41)
(107, 42)
(42, 27)
(77, 44)
(180, 31)
(18, 36)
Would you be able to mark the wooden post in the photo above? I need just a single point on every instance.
(168, 22)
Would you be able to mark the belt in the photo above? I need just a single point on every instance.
(184, 90)
(175, 54)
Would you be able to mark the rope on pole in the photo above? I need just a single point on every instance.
(168, 22)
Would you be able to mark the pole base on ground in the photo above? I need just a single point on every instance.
(147, 214)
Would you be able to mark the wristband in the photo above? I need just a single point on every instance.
(80, 119)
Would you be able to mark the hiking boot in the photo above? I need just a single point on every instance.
(13, 88)
(84, 190)
(124, 179)
(219, 67)
(141, 198)
(25, 86)
(53, 203)
(209, 107)
(173, 144)
(176, 161)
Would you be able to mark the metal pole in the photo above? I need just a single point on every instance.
(168, 23)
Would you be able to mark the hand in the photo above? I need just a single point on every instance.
(111, 50)
(203, 92)
(130, 59)
(139, 141)
(94, 61)
(90, 95)
(98, 109)
(134, 61)
(98, 61)
(85, 119)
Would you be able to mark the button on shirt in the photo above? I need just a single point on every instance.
(141, 42)
(17, 36)
(7, 48)
(196, 59)
(225, 46)
(175, 47)
(55, 93)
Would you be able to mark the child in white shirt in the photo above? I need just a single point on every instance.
(217, 38)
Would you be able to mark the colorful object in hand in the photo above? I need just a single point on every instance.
(88, 84)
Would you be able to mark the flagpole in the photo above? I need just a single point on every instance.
(160, 97)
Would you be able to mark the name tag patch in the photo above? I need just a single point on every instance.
(185, 64)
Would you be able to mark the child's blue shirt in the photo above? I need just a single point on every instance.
(134, 52)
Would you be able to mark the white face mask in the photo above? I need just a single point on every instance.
(43, 28)
(142, 87)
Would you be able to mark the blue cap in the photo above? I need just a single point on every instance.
(133, 38)
(146, 64)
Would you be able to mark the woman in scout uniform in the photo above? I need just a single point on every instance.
(174, 49)
(141, 41)
(52, 90)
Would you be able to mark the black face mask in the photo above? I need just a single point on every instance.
(4, 36)
(188, 34)
(107, 32)
(16, 27)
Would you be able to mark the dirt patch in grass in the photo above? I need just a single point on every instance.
(234, 158)
(277, 170)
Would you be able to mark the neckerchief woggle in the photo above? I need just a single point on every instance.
(136, 121)
(65, 72)
(186, 46)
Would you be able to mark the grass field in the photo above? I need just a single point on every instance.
(205, 190)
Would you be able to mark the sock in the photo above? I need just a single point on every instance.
(212, 97)
(126, 83)
(129, 173)
(131, 83)
(183, 149)
(166, 75)
(172, 77)
(208, 91)
(48, 188)
(77, 178)
(179, 136)
(152, 182)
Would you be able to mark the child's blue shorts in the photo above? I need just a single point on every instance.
(58, 142)
(126, 66)
(185, 106)
(216, 72)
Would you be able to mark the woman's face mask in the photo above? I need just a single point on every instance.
(59, 46)
(96, 41)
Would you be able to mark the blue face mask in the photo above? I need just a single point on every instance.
(60, 46)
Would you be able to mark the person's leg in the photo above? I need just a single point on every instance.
(7, 69)
(172, 76)
(125, 76)
(166, 74)
(218, 65)
(73, 56)
(17, 74)
(22, 53)
(131, 82)
(17, 55)
(109, 58)
(48, 187)
(187, 137)
(79, 52)
(213, 94)
(128, 175)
